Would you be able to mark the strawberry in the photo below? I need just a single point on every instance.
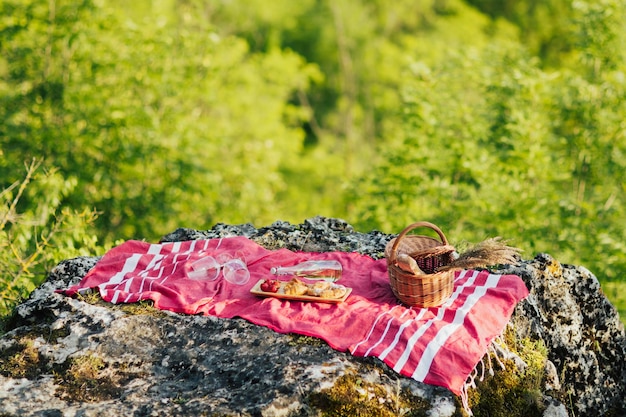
(270, 285)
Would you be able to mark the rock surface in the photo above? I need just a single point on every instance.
(83, 357)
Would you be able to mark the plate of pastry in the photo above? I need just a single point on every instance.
(299, 290)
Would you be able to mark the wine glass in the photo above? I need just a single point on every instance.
(235, 269)
(205, 268)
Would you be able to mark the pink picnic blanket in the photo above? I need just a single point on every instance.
(439, 346)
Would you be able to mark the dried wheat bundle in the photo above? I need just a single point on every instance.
(492, 251)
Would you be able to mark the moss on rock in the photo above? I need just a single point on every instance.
(353, 396)
(21, 360)
(513, 391)
(84, 379)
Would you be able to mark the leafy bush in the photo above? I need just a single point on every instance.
(491, 144)
(36, 232)
(504, 119)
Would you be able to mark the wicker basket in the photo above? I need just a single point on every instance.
(432, 288)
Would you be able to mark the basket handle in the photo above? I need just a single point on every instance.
(410, 227)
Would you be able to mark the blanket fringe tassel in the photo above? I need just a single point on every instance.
(494, 350)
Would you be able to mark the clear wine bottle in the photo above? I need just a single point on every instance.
(328, 270)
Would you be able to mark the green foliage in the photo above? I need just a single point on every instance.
(164, 119)
(493, 145)
(36, 232)
(616, 292)
(545, 26)
(486, 117)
